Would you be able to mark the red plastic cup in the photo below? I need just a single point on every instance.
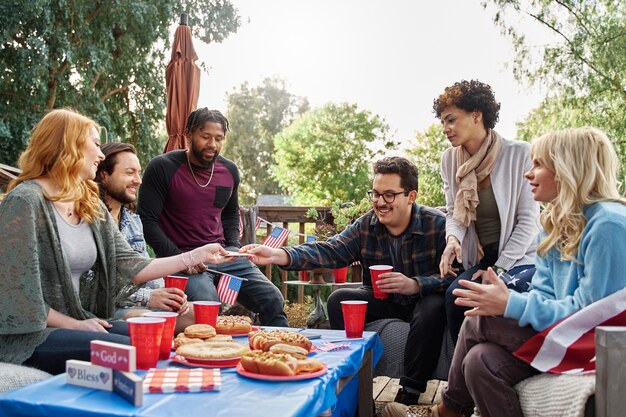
(168, 331)
(340, 275)
(354, 317)
(375, 271)
(145, 335)
(175, 281)
(206, 312)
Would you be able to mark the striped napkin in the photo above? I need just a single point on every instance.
(328, 346)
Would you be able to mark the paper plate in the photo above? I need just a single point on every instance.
(206, 363)
(276, 378)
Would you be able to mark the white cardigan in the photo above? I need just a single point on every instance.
(519, 212)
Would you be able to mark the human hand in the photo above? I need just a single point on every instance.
(478, 274)
(167, 299)
(264, 255)
(212, 253)
(92, 325)
(450, 253)
(487, 299)
(397, 283)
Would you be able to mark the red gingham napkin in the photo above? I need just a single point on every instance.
(182, 380)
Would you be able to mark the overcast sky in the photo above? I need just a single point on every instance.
(390, 57)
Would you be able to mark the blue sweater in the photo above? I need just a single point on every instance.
(560, 288)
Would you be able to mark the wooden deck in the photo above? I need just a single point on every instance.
(385, 390)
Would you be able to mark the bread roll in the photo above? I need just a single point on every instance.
(295, 351)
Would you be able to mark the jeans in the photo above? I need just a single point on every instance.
(427, 321)
(64, 344)
(257, 294)
(455, 314)
(484, 370)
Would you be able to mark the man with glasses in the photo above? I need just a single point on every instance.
(396, 232)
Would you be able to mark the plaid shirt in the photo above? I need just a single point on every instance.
(367, 241)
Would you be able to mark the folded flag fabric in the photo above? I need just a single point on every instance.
(568, 347)
(228, 288)
(182, 380)
(257, 224)
(276, 238)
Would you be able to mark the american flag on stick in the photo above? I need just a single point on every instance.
(276, 238)
(228, 288)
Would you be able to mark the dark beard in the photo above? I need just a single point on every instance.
(203, 162)
(121, 196)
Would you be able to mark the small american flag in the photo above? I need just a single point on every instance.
(228, 288)
(276, 238)
(310, 238)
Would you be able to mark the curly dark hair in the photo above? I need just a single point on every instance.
(198, 118)
(470, 96)
(401, 166)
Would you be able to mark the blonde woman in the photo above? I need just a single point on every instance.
(62, 260)
(580, 260)
(491, 216)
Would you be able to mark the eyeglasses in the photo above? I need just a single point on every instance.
(388, 197)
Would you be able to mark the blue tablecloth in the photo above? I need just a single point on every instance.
(239, 396)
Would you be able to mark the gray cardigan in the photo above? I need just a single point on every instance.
(519, 212)
(36, 276)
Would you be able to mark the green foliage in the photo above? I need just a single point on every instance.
(255, 116)
(426, 153)
(104, 59)
(346, 213)
(325, 155)
(584, 68)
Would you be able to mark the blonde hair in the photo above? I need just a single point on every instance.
(55, 151)
(586, 168)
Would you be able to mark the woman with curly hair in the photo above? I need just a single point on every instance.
(580, 261)
(491, 218)
(61, 256)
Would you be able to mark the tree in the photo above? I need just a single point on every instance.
(326, 154)
(104, 59)
(426, 153)
(256, 115)
(584, 68)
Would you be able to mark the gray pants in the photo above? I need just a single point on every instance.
(484, 371)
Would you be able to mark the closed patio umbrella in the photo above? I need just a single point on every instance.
(182, 81)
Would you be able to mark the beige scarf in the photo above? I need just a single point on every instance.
(471, 170)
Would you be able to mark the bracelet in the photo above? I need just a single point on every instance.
(189, 264)
(498, 270)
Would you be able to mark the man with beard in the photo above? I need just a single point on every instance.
(188, 199)
(118, 178)
(396, 232)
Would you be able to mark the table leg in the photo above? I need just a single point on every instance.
(366, 393)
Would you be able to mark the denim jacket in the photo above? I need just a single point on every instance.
(132, 230)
